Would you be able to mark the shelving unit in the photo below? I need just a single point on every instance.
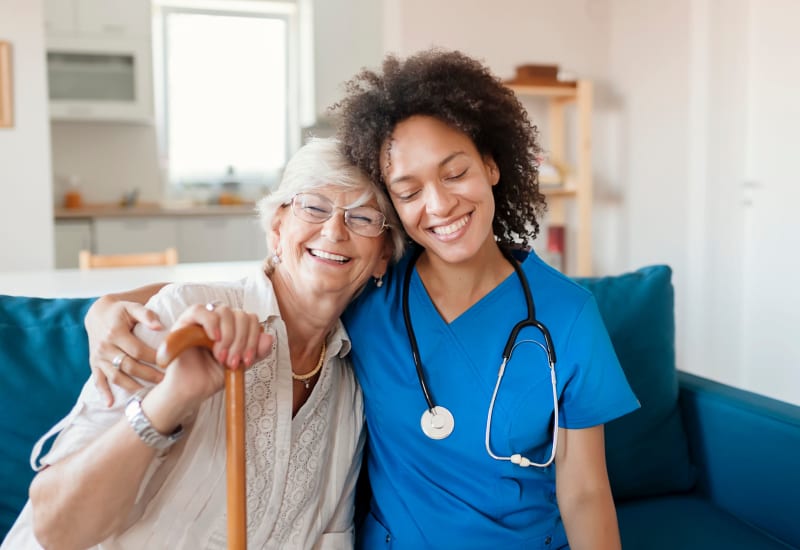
(577, 187)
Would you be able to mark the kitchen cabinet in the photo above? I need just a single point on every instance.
(59, 17)
(198, 238)
(220, 238)
(71, 236)
(134, 234)
(99, 60)
(98, 18)
(575, 187)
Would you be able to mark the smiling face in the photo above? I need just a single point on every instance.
(327, 257)
(441, 187)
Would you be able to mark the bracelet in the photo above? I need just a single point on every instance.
(144, 429)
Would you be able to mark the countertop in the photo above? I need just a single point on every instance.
(153, 209)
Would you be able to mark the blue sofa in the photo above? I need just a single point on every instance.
(700, 465)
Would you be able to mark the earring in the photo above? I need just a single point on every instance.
(379, 281)
(276, 257)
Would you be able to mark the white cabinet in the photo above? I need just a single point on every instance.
(140, 234)
(59, 17)
(212, 238)
(91, 79)
(71, 236)
(220, 238)
(114, 17)
(98, 18)
(99, 60)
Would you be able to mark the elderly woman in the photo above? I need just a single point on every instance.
(150, 470)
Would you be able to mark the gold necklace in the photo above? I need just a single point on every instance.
(306, 378)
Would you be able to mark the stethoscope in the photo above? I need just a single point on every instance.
(437, 421)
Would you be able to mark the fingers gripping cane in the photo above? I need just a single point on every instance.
(194, 336)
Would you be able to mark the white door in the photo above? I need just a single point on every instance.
(771, 188)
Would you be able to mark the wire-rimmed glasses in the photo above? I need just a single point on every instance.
(362, 220)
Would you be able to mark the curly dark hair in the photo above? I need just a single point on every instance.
(463, 93)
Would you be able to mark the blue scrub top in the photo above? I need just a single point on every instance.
(450, 493)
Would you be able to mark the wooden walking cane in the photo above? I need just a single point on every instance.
(195, 336)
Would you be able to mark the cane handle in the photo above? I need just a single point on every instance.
(180, 340)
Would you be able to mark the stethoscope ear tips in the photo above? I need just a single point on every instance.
(520, 460)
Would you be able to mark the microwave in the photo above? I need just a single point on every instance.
(100, 79)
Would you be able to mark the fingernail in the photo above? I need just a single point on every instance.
(234, 360)
(222, 356)
(248, 358)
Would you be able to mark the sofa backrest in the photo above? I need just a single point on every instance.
(44, 360)
(646, 451)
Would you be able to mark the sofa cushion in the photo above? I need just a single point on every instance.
(44, 361)
(646, 450)
(687, 522)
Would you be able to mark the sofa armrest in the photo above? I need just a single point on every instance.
(745, 447)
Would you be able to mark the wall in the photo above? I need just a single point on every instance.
(649, 48)
(110, 158)
(26, 217)
(347, 36)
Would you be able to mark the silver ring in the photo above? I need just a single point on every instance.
(211, 306)
(116, 362)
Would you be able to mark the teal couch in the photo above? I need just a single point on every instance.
(700, 465)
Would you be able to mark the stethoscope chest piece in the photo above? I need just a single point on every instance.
(438, 425)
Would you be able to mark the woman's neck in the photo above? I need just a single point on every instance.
(308, 317)
(454, 288)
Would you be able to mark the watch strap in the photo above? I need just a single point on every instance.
(144, 429)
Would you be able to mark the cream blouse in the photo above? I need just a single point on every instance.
(301, 471)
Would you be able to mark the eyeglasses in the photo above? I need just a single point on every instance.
(362, 220)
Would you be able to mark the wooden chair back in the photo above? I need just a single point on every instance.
(87, 260)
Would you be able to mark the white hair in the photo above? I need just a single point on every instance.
(321, 163)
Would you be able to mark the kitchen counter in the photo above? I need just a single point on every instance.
(152, 210)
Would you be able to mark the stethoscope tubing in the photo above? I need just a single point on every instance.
(412, 339)
(446, 423)
(529, 321)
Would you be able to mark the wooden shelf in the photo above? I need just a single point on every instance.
(550, 191)
(567, 90)
(559, 97)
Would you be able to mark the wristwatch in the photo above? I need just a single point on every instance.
(144, 429)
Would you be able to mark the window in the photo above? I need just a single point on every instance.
(225, 90)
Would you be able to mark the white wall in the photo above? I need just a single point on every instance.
(348, 35)
(505, 33)
(650, 65)
(26, 216)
